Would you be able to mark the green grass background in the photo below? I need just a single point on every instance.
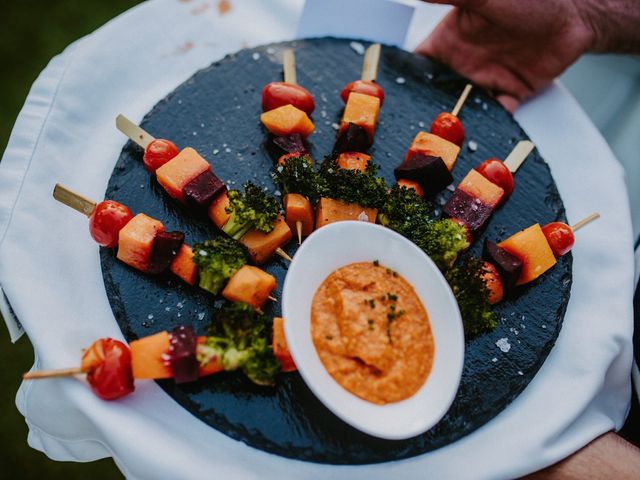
(31, 33)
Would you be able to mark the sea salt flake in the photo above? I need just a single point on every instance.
(228, 150)
(503, 344)
(335, 126)
(472, 146)
(494, 359)
(363, 217)
(201, 316)
(520, 372)
(256, 56)
(357, 47)
(150, 316)
(216, 151)
(421, 124)
(401, 80)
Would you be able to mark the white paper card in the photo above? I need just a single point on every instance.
(383, 21)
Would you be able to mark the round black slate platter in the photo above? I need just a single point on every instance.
(216, 112)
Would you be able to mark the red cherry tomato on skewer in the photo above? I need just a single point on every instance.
(108, 366)
(107, 220)
(560, 237)
(278, 94)
(449, 127)
(495, 171)
(364, 87)
(158, 152)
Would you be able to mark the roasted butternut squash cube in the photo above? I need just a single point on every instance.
(183, 266)
(135, 241)
(297, 208)
(435, 146)
(479, 187)
(261, 246)
(531, 247)
(354, 161)
(286, 120)
(250, 285)
(280, 347)
(148, 357)
(361, 110)
(179, 171)
(329, 210)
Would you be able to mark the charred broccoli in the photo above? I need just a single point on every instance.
(297, 175)
(404, 211)
(251, 209)
(472, 295)
(443, 240)
(352, 186)
(217, 261)
(241, 339)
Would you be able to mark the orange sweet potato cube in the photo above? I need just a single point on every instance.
(361, 110)
(434, 146)
(214, 366)
(135, 240)
(479, 187)
(148, 357)
(180, 170)
(329, 210)
(280, 347)
(286, 120)
(353, 161)
(250, 285)
(217, 210)
(297, 208)
(261, 246)
(183, 266)
(531, 247)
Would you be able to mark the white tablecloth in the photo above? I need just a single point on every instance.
(50, 272)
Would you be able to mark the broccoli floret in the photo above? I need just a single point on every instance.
(472, 295)
(217, 261)
(297, 175)
(352, 186)
(241, 338)
(251, 209)
(405, 211)
(442, 240)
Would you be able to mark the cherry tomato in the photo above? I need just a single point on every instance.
(493, 282)
(560, 237)
(495, 171)
(278, 94)
(159, 152)
(449, 127)
(108, 366)
(364, 87)
(107, 220)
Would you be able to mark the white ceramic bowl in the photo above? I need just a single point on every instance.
(340, 244)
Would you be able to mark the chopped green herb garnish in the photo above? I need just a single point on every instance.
(376, 263)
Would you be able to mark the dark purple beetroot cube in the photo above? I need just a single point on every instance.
(164, 249)
(430, 172)
(182, 354)
(354, 138)
(469, 209)
(509, 266)
(201, 191)
(292, 143)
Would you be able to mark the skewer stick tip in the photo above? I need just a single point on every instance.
(461, 99)
(518, 155)
(272, 298)
(299, 231)
(74, 200)
(289, 66)
(371, 62)
(133, 131)
(283, 254)
(65, 372)
(585, 221)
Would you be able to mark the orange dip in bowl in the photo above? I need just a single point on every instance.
(372, 332)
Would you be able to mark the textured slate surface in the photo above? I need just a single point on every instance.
(216, 112)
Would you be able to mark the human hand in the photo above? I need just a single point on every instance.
(510, 47)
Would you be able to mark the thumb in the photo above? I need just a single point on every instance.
(509, 102)
(466, 4)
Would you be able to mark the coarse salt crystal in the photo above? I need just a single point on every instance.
(363, 217)
(503, 344)
(401, 80)
(256, 56)
(357, 47)
(473, 146)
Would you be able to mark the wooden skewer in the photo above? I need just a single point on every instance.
(65, 372)
(518, 155)
(273, 299)
(73, 200)
(370, 63)
(299, 231)
(585, 221)
(133, 131)
(462, 99)
(283, 254)
(289, 66)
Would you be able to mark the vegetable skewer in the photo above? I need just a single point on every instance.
(187, 177)
(239, 340)
(482, 190)
(143, 244)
